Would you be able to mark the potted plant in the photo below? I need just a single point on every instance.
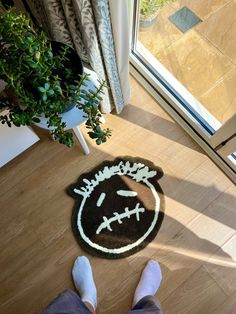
(149, 10)
(43, 79)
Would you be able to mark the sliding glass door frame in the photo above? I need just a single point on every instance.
(215, 139)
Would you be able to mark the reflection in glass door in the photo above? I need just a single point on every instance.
(181, 49)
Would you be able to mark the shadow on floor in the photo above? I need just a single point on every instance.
(158, 125)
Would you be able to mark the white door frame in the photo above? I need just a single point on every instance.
(226, 132)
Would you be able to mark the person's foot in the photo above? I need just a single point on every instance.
(83, 279)
(149, 282)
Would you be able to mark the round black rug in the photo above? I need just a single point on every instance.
(119, 207)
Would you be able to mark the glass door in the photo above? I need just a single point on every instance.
(181, 53)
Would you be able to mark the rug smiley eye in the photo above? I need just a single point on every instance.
(101, 199)
(127, 193)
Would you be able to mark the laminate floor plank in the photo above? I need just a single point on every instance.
(201, 289)
(222, 266)
(228, 307)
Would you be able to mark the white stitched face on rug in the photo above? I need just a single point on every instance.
(119, 207)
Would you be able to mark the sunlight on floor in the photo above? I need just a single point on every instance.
(201, 256)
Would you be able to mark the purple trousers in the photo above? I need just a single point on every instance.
(68, 302)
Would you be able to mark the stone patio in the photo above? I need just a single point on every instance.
(203, 58)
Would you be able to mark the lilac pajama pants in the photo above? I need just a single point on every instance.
(68, 302)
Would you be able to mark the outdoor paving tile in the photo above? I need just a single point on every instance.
(184, 19)
(223, 97)
(220, 29)
(162, 34)
(195, 62)
(203, 8)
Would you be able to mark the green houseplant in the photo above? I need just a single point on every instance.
(41, 82)
(149, 10)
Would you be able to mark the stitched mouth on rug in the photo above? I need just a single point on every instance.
(118, 211)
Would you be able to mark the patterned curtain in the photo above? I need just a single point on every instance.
(86, 26)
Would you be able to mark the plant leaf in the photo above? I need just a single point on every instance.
(46, 86)
(41, 89)
(50, 92)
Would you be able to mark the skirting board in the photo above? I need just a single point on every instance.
(14, 140)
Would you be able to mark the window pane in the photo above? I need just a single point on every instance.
(194, 41)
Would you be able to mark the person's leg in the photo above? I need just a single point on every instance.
(68, 301)
(90, 307)
(147, 305)
(144, 301)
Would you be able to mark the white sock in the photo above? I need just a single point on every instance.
(83, 279)
(149, 282)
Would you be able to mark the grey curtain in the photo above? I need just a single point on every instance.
(86, 25)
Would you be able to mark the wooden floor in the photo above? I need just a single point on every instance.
(195, 246)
